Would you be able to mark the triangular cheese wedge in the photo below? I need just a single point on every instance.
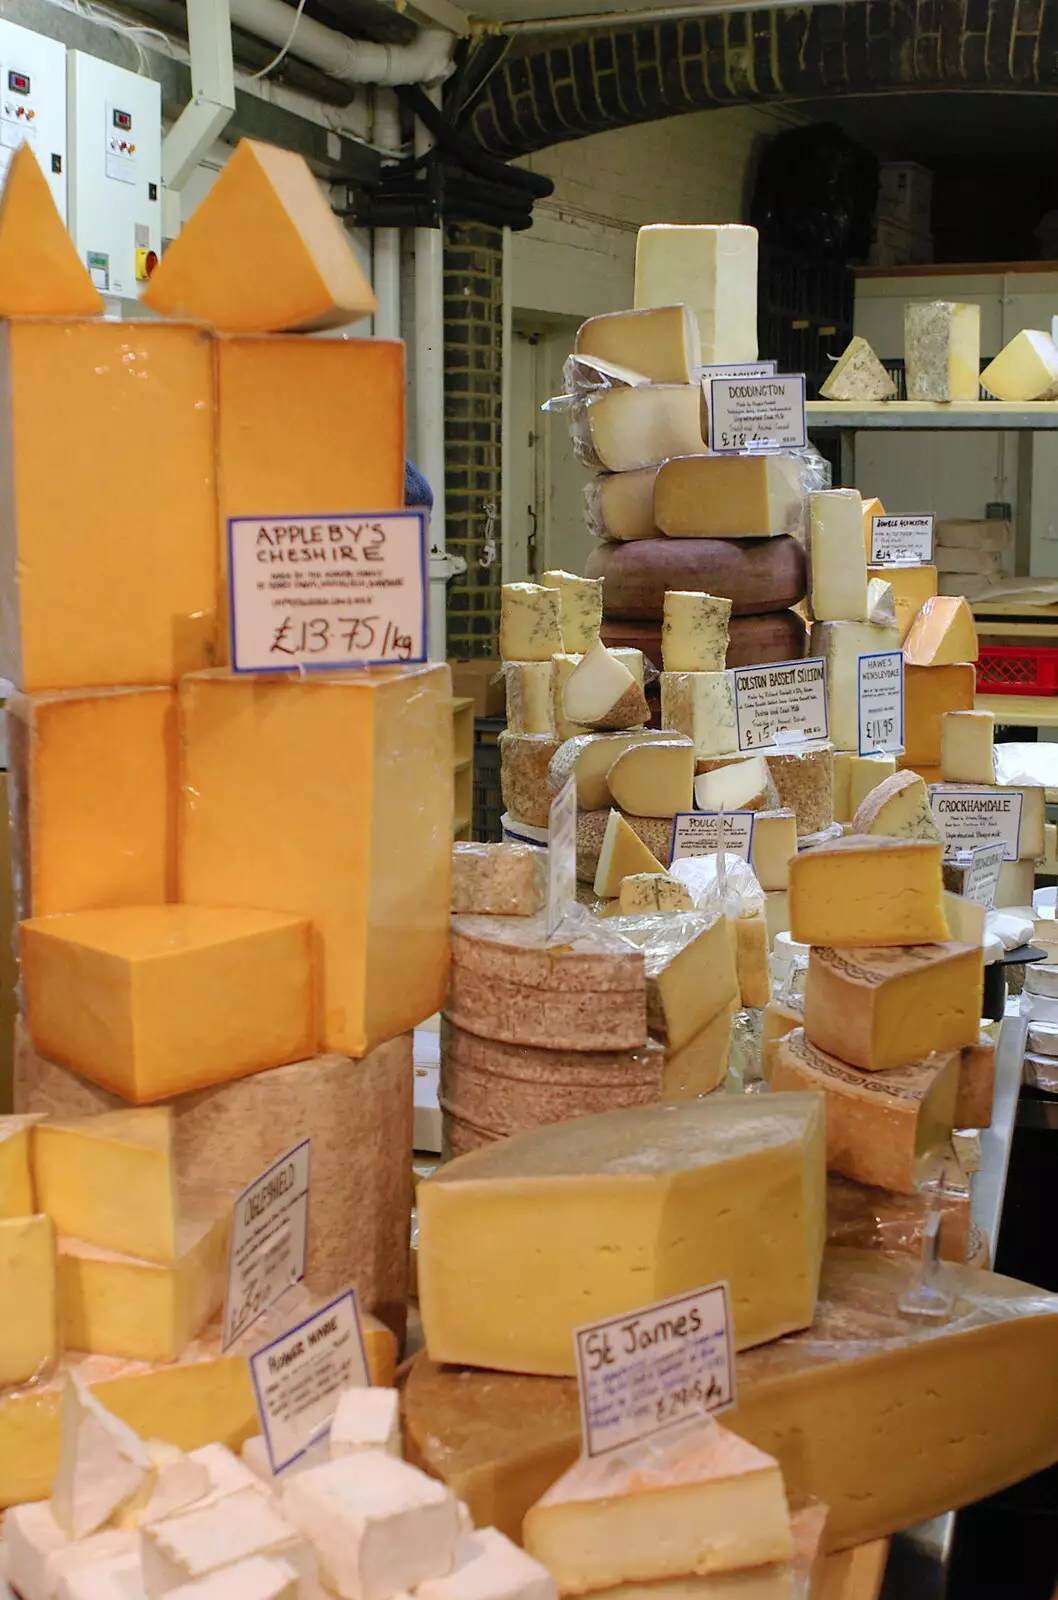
(102, 1463)
(262, 253)
(857, 374)
(40, 272)
(623, 854)
(943, 633)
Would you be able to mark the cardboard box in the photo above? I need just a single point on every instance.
(474, 680)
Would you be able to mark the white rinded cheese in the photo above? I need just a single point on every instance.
(712, 269)
(580, 609)
(837, 563)
(857, 374)
(118, 1577)
(942, 350)
(1040, 978)
(210, 1537)
(1025, 369)
(529, 686)
(1043, 1039)
(255, 1456)
(39, 1554)
(489, 1567)
(694, 633)
(102, 1463)
(702, 706)
(530, 622)
(259, 1578)
(366, 1419)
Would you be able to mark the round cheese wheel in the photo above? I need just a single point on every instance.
(774, 636)
(756, 575)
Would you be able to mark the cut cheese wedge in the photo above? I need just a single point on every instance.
(41, 1563)
(774, 847)
(589, 756)
(857, 374)
(655, 779)
(111, 1180)
(660, 342)
(881, 603)
(602, 693)
(530, 622)
(942, 350)
(728, 497)
(1025, 369)
(866, 890)
(736, 786)
(690, 969)
(707, 1502)
(574, 1221)
(266, 206)
(29, 1328)
(699, 1066)
(898, 807)
(102, 1463)
(942, 634)
(883, 1008)
(701, 705)
(623, 853)
(712, 269)
(837, 567)
(41, 274)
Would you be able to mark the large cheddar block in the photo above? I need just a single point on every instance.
(837, 566)
(16, 1176)
(110, 577)
(911, 586)
(885, 1007)
(29, 1329)
(111, 1180)
(929, 692)
(728, 497)
(41, 274)
(93, 798)
(154, 1000)
(911, 1387)
(712, 269)
(265, 207)
(369, 858)
(573, 1220)
(883, 1128)
(868, 890)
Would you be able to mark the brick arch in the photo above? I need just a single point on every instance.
(573, 85)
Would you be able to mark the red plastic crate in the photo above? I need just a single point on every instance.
(1017, 669)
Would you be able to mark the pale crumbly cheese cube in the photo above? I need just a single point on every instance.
(865, 774)
(366, 1419)
(530, 694)
(499, 880)
(884, 1008)
(489, 1567)
(881, 603)
(570, 1219)
(259, 1578)
(690, 969)
(841, 644)
(623, 854)
(16, 1179)
(1025, 369)
(111, 1180)
(524, 762)
(102, 1463)
(620, 505)
(694, 634)
(774, 847)
(29, 1326)
(204, 1539)
(626, 429)
(702, 706)
(115, 1577)
(654, 779)
(530, 622)
(942, 350)
(589, 757)
(942, 634)
(868, 890)
(967, 753)
(660, 343)
(744, 785)
(708, 1503)
(652, 891)
(729, 497)
(857, 374)
(899, 808)
(712, 269)
(837, 566)
(580, 609)
(378, 1525)
(911, 586)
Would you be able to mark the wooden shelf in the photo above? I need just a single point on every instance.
(933, 415)
(463, 729)
(1020, 710)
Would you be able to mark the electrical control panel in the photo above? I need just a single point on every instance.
(33, 103)
(115, 172)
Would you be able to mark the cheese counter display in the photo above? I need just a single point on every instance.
(709, 1015)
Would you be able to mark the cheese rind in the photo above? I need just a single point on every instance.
(774, 847)
(525, 762)
(155, 1000)
(655, 779)
(977, 1072)
(701, 705)
(966, 747)
(728, 497)
(837, 566)
(804, 782)
(942, 634)
(29, 1335)
(883, 1008)
(897, 808)
(530, 622)
(40, 271)
(623, 853)
(865, 890)
(660, 342)
(265, 204)
(1025, 369)
(942, 350)
(502, 880)
(694, 634)
(841, 644)
(580, 609)
(655, 833)
(857, 374)
(602, 1214)
(712, 269)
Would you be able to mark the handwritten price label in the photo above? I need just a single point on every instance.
(764, 412)
(969, 818)
(649, 1370)
(269, 1237)
(787, 698)
(901, 541)
(698, 833)
(880, 691)
(334, 591)
(298, 1378)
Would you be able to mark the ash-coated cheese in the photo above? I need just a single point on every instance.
(621, 430)
(530, 691)
(883, 1128)
(942, 350)
(530, 622)
(930, 692)
(620, 505)
(694, 634)
(967, 752)
(774, 847)
(498, 880)
(841, 644)
(897, 808)
(580, 609)
(942, 634)
(911, 586)
(660, 343)
(524, 762)
(977, 1075)
(885, 1007)
(592, 828)
(499, 1439)
(589, 1218)
(589, 756)
(1025, 369)
(29, 1337)
(655, 779)
(652, 891)
(804, 782)
(866, 890)
(702, 706)
(691, 970)
(622, 853)
(857, 374)
(510, 983)
(710, 268)
(728, 497)
(837, 566)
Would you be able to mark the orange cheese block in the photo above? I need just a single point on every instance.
(928, 693)
(93, 776)
(108, 526)
(912, 587)
(41, 274)
(942, 634)
(872, 507)
(262, 252)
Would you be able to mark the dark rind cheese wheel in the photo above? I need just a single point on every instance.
(754, 641)
(756, 575)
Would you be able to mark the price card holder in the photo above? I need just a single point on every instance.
(651, 1370)
(929, 1295)
(698, 833)
(901, 541)
(298, 1378)
(982, 880)
(781, 704)
(344, 589)
(734, 369)
(880, 702)
(968, 818)
(562, 857)
(269, 1240)
(770, 412)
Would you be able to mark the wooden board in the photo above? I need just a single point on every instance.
(756, 575)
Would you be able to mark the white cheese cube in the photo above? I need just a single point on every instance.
(39, 1554)
(203, 1540)
(702, 706)
(711, 268)
(255, 1456)
(102, 1463)
(118, 1577)
(580, 612)
(530, 622)
(694, 634)
(366, 1419)
(837, 564)
(942, 350)
(227, 1474)
(378, 1525)
(857, 374)
(259, 1578)
(1025, 369)
(489, 1567)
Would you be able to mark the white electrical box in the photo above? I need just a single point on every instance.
(115, 172)
(33, 104)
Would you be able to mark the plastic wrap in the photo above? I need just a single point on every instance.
(663, 419)
(506, 880)
(1041, 1072)
(583, 374)
(621, 505)
(662, 937)
(739, 895)
(866, 1218)
(1030, 766)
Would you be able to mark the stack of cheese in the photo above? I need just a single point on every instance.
(969, 554)
(669, 515)
(129, 1519)
(234, 907)
(890, 1034)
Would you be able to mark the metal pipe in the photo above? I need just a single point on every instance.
(427, 59)
(386, 241)
(430, 391)
(634, 19)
